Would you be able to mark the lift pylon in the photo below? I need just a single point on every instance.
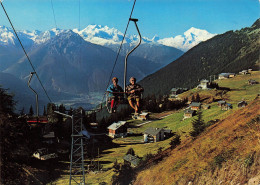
(77, 171)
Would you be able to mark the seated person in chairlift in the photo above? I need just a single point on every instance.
(115, 93)
(133, 92)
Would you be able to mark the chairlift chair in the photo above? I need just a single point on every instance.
(121, 98)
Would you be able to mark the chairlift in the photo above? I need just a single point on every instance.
(111, 95)
(35, 119)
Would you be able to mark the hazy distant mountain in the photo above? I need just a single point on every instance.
(23, 96)
(67, 63)
(156, 53)
(229, 52)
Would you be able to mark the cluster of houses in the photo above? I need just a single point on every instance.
(195, 106)
(119, 129)
(192, 108)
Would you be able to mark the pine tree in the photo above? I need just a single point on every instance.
(31, 111)
(62, 108)
(197, 98)
(130, 151)
(7, 102)
(175, 141)
(193, 98)
(44, 111)
(22, 111)
(198, 125)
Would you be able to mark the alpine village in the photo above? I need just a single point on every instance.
(199, 124)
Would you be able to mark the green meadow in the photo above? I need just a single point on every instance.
(240, 90)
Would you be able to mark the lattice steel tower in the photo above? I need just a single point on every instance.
(77, 171)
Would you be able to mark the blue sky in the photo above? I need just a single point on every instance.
(165, 18)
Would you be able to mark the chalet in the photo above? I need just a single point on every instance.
(242, 104)
(43, 154)
(244, 72)
(153, 135)
(118, 129)
(206, 107)
(188, 113)
(252, 82)
(131, 160)
(226, 106)
(226, 75)
(195, 105)
(143, 116)
(176, 91)
(221, 102)
(204, 84)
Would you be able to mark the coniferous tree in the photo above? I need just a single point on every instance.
(197, 98)
(7, 102)
(50, 108)
(22, 111)
(130, 151)
(44, 111)
(31, 111)
(198, 125)
(193, 99)
(62, 108)
(175, 141)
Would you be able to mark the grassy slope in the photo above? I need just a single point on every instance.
(175, 122)
(232, 141)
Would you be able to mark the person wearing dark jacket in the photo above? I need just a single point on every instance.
(133, 92)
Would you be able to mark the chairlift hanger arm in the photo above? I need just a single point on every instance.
(37, 104)
(140, 40)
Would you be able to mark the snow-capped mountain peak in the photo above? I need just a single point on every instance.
(6, 36)
(104, 35)
(189, 39)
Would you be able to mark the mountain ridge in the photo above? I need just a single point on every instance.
(103, 35)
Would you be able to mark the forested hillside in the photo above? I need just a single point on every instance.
(229, 52)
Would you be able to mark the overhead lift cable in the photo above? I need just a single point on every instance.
(55, 22)
(25, 51)
(119, 50)
(53, 14)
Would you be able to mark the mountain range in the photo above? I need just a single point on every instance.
(105, 36)
(78, 63)
(69, 66)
